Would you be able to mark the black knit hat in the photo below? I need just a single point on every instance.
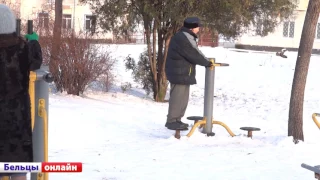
(192, 22)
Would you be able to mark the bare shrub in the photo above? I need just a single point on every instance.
(107, 81)
(79, 63)
(125, 87)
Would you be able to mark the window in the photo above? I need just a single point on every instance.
(66, 21)
(43, 20)
(90, 23)
(259, 27)
(288, 29)
(318, 31)
(51, 1)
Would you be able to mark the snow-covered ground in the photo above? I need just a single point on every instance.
(121, 136)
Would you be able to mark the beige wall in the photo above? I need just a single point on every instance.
(30, 8)
(79, 15)
(276, 39)
(302, 5)
(80, 12)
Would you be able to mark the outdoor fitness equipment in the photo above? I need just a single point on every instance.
(314, 117)
(39, 96)
(315, 169)
(207, 119)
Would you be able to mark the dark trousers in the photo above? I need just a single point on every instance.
(178, 102)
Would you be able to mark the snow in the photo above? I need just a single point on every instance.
(121, 136)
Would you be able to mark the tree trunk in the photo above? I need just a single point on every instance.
(148, 36)
(166, 48)
(157, 57)
(54, 60)
(162, 88)
(57, 29)
(152, 53)
(163, 46)
(295, 124)
(153, 62)
(163, 83)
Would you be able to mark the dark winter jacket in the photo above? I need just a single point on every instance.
(15, 115)
(183, 56)
(35, 53)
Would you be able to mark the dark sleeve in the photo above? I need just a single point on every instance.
(35, 55)
(191, 52)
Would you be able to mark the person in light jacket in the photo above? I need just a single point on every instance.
(183, 56)
(15, 108)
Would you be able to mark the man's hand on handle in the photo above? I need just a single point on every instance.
(210, 64)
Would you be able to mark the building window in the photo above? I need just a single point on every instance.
(259, 27)
(51, 1)
(43, 20)
(90, 23)
(66, 21)
(288, 29)
(318, 31)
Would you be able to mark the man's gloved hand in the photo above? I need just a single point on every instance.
(210, 64)
(34, 36)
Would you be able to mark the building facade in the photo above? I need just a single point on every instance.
(286, 35)
(76, 16)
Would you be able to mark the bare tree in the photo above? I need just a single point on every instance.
(56, 37)
(57, 27)
(295, 124)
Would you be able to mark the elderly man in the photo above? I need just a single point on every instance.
(183, 56)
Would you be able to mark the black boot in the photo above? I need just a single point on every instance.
(176, 126)
(185, 124)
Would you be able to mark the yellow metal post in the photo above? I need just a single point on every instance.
(33, 78)
(5, 178)
(42, 112)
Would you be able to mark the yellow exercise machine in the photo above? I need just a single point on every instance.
(314, 117)
(201, 123)
(39, 95)
(207, 120)
(315, 169)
